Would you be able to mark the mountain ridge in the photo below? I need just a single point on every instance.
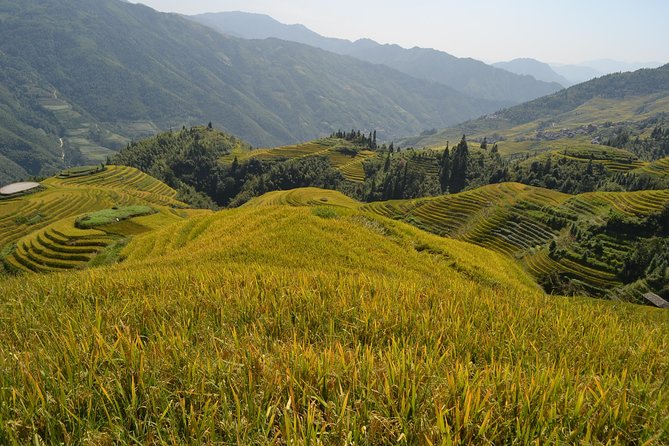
(467, 75)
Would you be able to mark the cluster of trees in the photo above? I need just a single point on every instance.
(633, 181)
(649, 262)
(567, 175)
(652, 148)
(188, 161)
(411, 174)
(315, 171)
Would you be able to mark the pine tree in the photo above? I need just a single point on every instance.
(484, 144)
(445, 170)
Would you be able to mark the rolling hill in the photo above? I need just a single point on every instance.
(468, 76)
(275, 323)
(100, 74)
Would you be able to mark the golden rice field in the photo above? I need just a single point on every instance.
(306, 317)
(307, 196)
(274, 325)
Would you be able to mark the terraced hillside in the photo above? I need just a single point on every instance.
(491, 216)
(613, 159)
(278, 324)
(659, 167)
(343, 155)
(37, 231)
(522, 221)
(307, 196)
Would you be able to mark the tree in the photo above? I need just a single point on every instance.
(484, 144)
(445, 170)
(459, 166)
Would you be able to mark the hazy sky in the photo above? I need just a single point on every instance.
(567, 31)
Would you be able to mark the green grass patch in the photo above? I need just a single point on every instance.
(5, 266)
(109, 216)
(325, 212)
(81, 171)
(110, 255)
(29, 220)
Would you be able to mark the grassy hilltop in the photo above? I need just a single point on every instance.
(300, 318)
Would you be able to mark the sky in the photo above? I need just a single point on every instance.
(556, 31)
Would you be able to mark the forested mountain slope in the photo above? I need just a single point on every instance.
(99, 73)
(596, 109)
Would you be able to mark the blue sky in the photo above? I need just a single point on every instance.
(563, 31)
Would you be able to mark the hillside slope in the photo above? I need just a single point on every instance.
(297, 325)
(468, 76)
(594, 109)
(102, 73)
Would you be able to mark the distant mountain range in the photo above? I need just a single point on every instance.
(82, 77)
(532, 67)
(468, 76)
(568, 75)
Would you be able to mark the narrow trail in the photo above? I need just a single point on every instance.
(62, 150)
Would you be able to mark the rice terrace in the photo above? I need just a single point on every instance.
(219, 229)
